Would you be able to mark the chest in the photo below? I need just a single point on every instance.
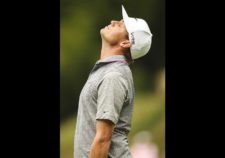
(89, 93)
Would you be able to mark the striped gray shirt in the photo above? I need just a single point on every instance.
(107, 94)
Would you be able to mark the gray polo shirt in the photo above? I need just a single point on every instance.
(107, 94)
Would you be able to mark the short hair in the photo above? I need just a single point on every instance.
(127, 55)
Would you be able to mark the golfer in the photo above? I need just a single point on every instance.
(106, 100)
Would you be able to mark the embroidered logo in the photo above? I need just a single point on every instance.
(132, 38)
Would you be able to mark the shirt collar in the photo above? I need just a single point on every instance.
(113, 58)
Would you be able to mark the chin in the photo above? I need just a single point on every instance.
(102, 31)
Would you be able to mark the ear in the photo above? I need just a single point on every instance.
(125, 44)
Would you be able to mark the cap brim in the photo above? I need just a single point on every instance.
(124, 13)
(125, 18)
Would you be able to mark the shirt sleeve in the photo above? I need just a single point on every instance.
(112, 93)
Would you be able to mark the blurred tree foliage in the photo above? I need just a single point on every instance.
(80, 43)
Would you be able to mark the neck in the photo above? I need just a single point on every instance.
(108, 50)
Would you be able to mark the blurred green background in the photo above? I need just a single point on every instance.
(80, 45)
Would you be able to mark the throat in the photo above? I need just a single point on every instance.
(110, 51)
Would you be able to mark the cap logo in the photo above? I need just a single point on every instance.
(132, 38)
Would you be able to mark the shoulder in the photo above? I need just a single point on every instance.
(112, 75)
(114, 78)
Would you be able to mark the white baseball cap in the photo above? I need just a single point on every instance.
(139, 35)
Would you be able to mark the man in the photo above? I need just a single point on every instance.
(106, 100)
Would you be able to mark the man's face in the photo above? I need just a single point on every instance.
(115, 32)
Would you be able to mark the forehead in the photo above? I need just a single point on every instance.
(122, 22)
